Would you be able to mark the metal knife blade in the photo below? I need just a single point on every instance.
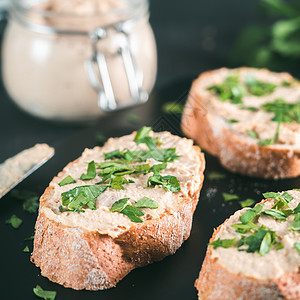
(17, 168)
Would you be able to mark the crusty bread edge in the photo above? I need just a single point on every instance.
(215, 282)
(236, 153)
(89, 260)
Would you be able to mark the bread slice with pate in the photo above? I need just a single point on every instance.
(255, 254)
(249, 118)
(117, 208)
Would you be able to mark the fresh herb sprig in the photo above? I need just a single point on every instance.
(133, 211)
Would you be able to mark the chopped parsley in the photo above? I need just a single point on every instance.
(259, 88)
(78, 197)
(173, 108)
(132, 211)
(225, 243)
(231, 89)
(91, 172)
(14, 221)
(296, 223)
(29, 198)
(116, 182)
(67, 180)
(233, 121)
(251, 213)
(282, 199)
(246, 203)
(230, 197)
(169, 183)
(215, 176)
(252, 133)
(275, 213)
(297, 247)
(26, 249)
(49, 295)
(242, 228)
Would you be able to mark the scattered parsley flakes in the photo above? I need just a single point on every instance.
(230, 197)
(14, 221)
(251, 213)
(76, 198)
(259, 88)
(225, 243)
(91, 172)
(133, 118)
(119, 205)
(233, 121)
(132, 213)
(30, 199)
(275, 213)
(26, 249)
(282, 199)
(173, 108)
(67, 180)
(297, 247)
(30, 238)
(146, 202)
(242, 228)
(253, 134)
(246, 203)
(48, 295)
(296, 223)
(215, 176)
(266, 244)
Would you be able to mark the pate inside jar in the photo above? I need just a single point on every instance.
(72, 60)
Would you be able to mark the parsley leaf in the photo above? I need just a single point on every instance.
(67, 180)
(80, 196)
(246, 203)
(230, 89)
(119, 205)
(173, 108)
(215, 176)
(31, 199)
(132, 213)
(297, 209)
(91, 172)
(143, 132)
(296, 223)
(229, 197)
(282, 199)
(266, 244)
(146, 202)
(259, 88)
(251, 213)
(297, 246)
(117, 182)
(48, 295)
(225, 243)
(26, 249)
(275, 213)
(242, 228)
(14, 221)
(253, 134)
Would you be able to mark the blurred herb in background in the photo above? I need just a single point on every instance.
(276, 45)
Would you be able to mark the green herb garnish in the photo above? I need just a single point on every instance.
(146, 202)
(275, 213)
(30, 199)
(246, 203)
(133, 118)
(231, 89)
(67, 180)
(279, 246)
(142, 137)
(225, 243)
(296, 223)
(282, 199)
(76, 198)
(230, 197)
(215, 176)
(117, 182)
(251, 213)
(297, 247)
(233, 121)
(259, 88)
(132, 213)
(26, 249)
(14, 221)
(48, 295)
(266, 244)
(169, 183)
(119, 205)
(173, 108)
(242, 228)
(253, 134)
(91, 172)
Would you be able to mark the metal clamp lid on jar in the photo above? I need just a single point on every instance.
(96, 66)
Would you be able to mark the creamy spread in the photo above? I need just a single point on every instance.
(17, 167)
(185, 168)
(259, 121)
(48, 77)
(273, 264)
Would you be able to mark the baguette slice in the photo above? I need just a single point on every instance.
(232, 132)
(95, 249)
(228, 273)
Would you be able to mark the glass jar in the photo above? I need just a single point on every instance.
(72, 60)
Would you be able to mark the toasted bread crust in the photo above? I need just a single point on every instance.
(236, 153)
(92, 261)
(215, 282)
